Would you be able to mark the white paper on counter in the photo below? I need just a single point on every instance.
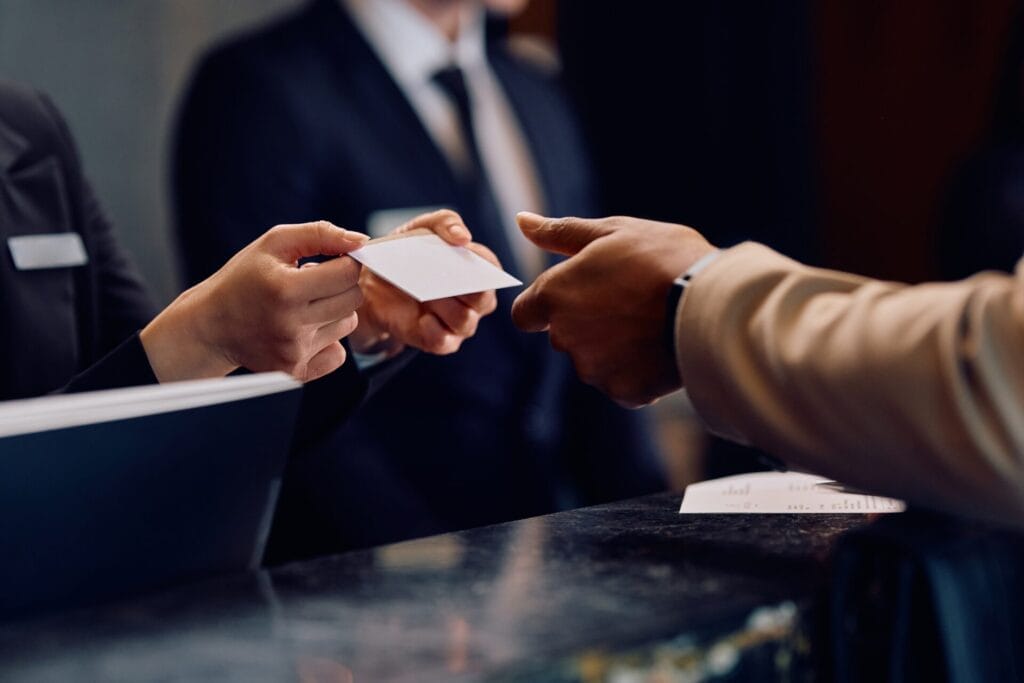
(780, 492)
(426, 267)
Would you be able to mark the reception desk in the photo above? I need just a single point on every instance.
(592, 594)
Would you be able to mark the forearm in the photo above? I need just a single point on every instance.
(913, 391)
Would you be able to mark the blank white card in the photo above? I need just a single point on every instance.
(426, 267)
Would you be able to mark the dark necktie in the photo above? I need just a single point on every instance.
(482, 213)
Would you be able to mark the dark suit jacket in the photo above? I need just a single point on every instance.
(59, 324)
(300, 120)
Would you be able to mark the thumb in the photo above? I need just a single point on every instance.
(564, 236)
(320, 238)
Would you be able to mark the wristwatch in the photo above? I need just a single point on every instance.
(675, 295)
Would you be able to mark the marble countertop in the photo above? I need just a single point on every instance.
(481, 604)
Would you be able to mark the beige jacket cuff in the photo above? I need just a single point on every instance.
(715, 306)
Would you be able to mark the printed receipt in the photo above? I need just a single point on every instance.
(779, 493)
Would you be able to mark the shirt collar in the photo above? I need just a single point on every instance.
(411, 47)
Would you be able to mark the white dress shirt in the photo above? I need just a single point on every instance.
(413, 49)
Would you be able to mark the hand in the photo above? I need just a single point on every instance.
(606, 304)
(390, 319)
(262, 312)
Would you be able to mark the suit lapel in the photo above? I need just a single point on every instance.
(33, 196)
(358, 66)
(529, 108)
(12, 146)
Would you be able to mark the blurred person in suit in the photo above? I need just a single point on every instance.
(358, 110)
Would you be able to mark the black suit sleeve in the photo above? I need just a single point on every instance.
(126, 366)
(124, 305)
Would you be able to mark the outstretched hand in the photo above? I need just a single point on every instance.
(606, 304)
(262, 311)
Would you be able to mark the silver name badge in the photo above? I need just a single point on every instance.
(55, 250)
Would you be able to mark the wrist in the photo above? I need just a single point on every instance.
(177, 346)
(677, 293)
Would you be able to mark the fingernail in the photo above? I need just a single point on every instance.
(530, 216)
(356, 236)
(458, 231)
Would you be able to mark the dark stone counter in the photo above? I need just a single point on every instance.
(537, 599)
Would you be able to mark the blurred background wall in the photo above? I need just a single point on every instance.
(116, 68)
(906, 91)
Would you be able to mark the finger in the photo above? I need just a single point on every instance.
(530, 310)
(326, 361)
(561, 235)
(335, 330)
(483, 303)
(327, 279)
(444, 222)
(483, 251)
(455, 315)
(558, 343)
(293, 242)
(334, 307)
(435, 338)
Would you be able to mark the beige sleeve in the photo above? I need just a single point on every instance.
(913, 391)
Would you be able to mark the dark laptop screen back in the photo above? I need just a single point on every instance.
(98, 511)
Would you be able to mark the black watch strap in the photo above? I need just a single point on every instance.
(675, 295)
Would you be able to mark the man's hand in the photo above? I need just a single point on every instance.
(389, 320)
(606, 305)
(263, 312)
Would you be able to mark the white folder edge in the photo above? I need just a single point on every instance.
(27, 416)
